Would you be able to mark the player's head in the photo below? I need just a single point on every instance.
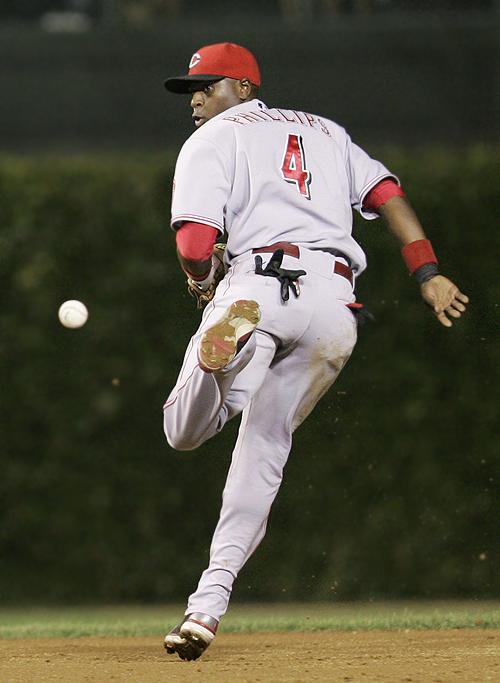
(220, 76)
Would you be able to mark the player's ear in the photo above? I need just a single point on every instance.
(244, 89)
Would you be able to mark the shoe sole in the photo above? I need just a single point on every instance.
(187, 650)
(191, 641)
(219, 344)
(172, 642)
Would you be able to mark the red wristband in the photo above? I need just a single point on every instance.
(418, 253)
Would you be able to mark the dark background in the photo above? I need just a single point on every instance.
(392, 486)
(392, 77)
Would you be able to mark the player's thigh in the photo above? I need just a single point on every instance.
(331, 335)
(325, 349)
(249, 380)
(297, 379)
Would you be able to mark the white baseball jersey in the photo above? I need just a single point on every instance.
(227, 170)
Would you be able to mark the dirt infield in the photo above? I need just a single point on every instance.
(365, 656)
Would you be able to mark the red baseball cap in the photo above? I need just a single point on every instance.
(215, 62)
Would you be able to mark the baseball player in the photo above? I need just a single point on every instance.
(281, 318)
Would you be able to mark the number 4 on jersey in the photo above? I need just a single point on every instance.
(294, 165)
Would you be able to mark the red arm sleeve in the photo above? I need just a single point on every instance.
(195, 241)
(381, 193)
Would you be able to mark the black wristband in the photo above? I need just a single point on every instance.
(426, 272)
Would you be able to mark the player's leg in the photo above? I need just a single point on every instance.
(319, 337)
(202, 402)
(291, 389)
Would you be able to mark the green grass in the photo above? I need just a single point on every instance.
(155, 620)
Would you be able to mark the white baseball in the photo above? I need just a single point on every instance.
(73, 314)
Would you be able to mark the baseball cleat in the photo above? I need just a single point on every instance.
(221, 342)
(190, 638)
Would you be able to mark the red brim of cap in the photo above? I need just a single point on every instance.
(186, 84)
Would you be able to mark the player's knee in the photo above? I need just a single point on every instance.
(178, 439)
(180, 442)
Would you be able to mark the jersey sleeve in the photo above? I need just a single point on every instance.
(363, 173)
(202, 185)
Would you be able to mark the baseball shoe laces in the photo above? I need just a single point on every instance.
(221, 342)
(191, 637)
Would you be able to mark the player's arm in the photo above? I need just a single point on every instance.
(195, 243)
(201, 260)
(202, 186)
(440, 293)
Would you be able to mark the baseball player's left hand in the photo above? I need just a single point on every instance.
(445, 299)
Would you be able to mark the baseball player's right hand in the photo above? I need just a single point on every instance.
(203, 295)
(445, 299)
